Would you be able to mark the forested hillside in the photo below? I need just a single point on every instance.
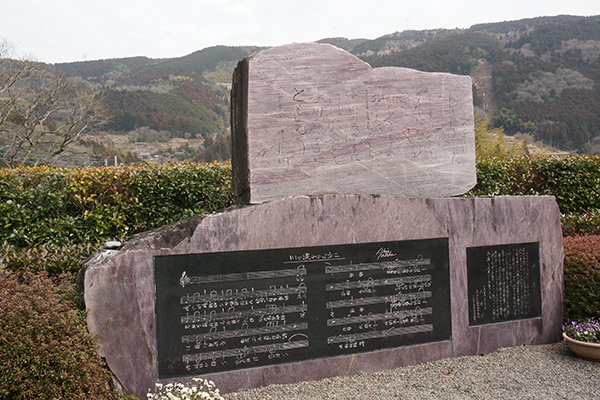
(545, 73)
(536, 77)
(157, 100)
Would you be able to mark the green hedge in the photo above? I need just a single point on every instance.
(87, 205)
(51, 218)
(573, 180)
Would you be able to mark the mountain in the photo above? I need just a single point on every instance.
(156, 100)
(538, 77)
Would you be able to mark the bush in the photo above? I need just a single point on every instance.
(46, 351)
(48, 257)
(581, 224)
(582, 277)
(89, 205)
(573, 180)
(51, 219)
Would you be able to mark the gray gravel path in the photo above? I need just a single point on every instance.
(525, 372)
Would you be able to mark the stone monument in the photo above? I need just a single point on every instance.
(311, 118)
(308, 286)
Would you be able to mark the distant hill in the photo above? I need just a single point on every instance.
(544, 73)
(539, 77)
(185, 97)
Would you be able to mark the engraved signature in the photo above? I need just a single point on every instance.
(384, 253)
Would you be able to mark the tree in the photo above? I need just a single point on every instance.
(41, 111)
(493, 143)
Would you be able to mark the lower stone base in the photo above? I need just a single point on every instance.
(119, 285)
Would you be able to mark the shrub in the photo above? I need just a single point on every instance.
(48, 257)
(46, 351)
(573, 180)
(51, 219)
(581, 224)
(582, 277)
(88, 205)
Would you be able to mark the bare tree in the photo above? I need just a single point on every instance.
(40, 110)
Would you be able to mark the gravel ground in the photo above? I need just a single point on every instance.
(525, 372)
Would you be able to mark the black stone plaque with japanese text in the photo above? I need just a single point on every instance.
(240, 309)
(503, 283)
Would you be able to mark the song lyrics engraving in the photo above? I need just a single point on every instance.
(232, 310)
(504, 283)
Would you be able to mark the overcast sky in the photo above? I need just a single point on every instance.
(75, 30)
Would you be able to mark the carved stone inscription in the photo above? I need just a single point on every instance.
(232, 310)
(504, 283)
(321, 120)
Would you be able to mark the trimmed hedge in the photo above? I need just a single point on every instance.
(88, 205)
(51, 219)
(48, 257)
(573, 180)
(582, 277)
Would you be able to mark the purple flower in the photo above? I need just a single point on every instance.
(585, 331)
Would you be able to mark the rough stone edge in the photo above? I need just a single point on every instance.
(239, 133)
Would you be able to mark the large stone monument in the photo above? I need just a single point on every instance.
(309, 284)
(310, 118)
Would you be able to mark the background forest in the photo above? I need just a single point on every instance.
(534, 80)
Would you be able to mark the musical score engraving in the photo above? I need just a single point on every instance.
(195, 280)
(244, 294)
(243, 332)
(231, 310)
(415, 315)
(503, 283)
(379, 334)
(213, 355)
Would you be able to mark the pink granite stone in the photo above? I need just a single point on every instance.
(119, 284)
(312, 118)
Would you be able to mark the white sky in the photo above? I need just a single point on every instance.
(74, 30)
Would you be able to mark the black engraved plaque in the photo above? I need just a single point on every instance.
(504, 283)
(232, 310)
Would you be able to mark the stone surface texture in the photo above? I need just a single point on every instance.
(119, 287)
(319, 120)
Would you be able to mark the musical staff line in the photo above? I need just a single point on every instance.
(377, 300)
(244, 332)
(384, 265)
(379, 334)
(243, 294)
(244, 351)
(241, 276)
(253, 312)
(380, 316)
(377, 282)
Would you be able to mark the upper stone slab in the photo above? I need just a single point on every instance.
(312, 118)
